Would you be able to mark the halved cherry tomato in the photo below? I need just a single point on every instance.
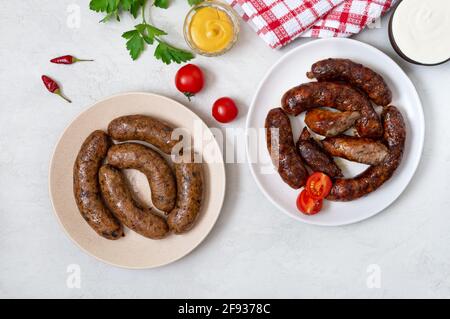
(318, 185)
(308, 205)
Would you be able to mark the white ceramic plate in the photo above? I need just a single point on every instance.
(290, 71)
(134, 251)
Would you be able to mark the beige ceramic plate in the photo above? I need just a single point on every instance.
(134, 251)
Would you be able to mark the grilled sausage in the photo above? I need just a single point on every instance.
(328, 123)
(315, 157)
(189, 177)
(280, 144)
(376, 175)
(356, 149)
(356, 74)
(86, 187)
(119, 199)
(337, 95)
(153, 165)
(143, 128)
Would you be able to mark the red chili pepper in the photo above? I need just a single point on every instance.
(67, 59)
(53, 87)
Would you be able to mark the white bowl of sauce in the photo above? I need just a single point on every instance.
(211, 28)
(420, 31)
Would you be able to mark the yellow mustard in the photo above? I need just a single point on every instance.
(211, 30)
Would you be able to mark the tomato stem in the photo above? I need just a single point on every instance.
(188, 95)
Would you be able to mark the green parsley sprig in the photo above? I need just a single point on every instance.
(144, 33)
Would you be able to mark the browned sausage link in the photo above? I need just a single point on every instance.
(189, 196)
(280, 144)
(315, 157)
(86, 187)
(356, 74)
(337, 95)
(119, 199)
(375, 176)
(356, 149)
(329, 123)
(143, 128)
(153, 165)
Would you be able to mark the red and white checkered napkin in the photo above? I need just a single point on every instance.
(278, 22)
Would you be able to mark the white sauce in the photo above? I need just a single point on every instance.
(421, 29)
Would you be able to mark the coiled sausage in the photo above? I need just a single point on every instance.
(356, 149)
(315, 156)
(377, 175)
(153, 165)
(337, 95)
(143, 128)
(280, 143)
(354, 73)
(86, 187)
(328, 123)
(119, 199)
(189, 177)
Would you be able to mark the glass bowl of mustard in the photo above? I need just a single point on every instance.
(211, 28)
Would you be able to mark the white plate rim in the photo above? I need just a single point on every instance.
(252, 107)
(222, 198)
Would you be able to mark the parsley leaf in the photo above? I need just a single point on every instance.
(107, 6)
(98, 5)
(135, 6)
(126, 4)
(135, 43)
(132, 6)
(143, 33)
(149, 32)
(161, 4)
(111, 7)
(194, 2)
(114, 7)
(109, 16)
(167, 53)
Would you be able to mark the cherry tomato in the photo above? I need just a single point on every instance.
(224, 110)
(189, 80)
(308, 205)
(318, 185)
